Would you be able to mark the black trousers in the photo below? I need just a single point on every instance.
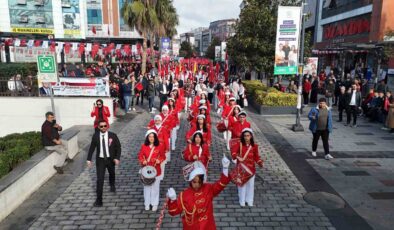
(101, 165)
(324, 134)
(351, 112)
(141, 96)
(305, 95)
(163, 98)
(340, 110)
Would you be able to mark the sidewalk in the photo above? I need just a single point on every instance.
(361, 172)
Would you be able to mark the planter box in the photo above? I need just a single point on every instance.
(29, 176)
(271, 110)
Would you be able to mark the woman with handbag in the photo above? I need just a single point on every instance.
(197, 150)
(151, 154)
(246, 152)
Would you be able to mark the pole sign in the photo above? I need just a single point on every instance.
(46, 66)
(287, 40)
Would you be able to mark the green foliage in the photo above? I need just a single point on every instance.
(186, 50)
(253, 44)
(211, 48)
(269, 96)
(16, 148)
(10, 69)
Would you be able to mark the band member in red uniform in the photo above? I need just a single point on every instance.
(163, 136)
(151, 153)
(200, 125)
(173, 113)
(227, 111)
(100, 112)
(194, 204)
(234, 115)
(247, 153)
(197, 150)
(237, 127)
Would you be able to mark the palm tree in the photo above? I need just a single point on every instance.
(141, 15)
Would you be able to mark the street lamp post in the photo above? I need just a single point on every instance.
(297, 127)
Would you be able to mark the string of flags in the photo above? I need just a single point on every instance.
(338, 51)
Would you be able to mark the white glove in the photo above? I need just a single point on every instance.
(226, 164)
(171, 194)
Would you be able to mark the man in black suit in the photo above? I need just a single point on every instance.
(164, 90)
(108, 150)
(353, 104)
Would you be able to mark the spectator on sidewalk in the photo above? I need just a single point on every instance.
(330, 88)
(353, 105)
(50, 138)
(321, 126)
(365, 89)
(315, 88)
(291, 88)
(126, 89)
(100, 112)
(382, 87)
(306, 89)
(150, 93)
(108, 151)
(342, 102)
(390, 115)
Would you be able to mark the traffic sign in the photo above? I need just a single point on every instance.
(46, 64)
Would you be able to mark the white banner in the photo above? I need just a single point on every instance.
(287, 40)
(29, 54)
(92, 87)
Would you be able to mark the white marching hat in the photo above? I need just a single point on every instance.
(203, 107)
(232, 99)
(242, 113)
(247, 130)
(150, 131)
(158, 117)
(165, 107)
(227, 93)
(196, 172)
(201, 116)
(198, 131)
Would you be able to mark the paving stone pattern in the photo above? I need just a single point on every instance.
(278, 204)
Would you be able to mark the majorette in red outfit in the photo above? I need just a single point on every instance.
(197, 150)
(194, 204)
(239, 125)
(202, 110)
(100, 112)
(202, 126)
(247, 152)
(226, 113)
(234, 115)
(152, 154)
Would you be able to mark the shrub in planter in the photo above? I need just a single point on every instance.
(278, 99)
(16, 148)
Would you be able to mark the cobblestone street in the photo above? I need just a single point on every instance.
(279, 200)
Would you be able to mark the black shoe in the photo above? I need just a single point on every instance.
(112, 189)
(354, 125)
(339, 120)
(346, 124)
(59, 170)
(98, 203)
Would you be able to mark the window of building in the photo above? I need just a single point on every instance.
(94, 16)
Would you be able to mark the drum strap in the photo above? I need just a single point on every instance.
(150, 154)
(247, 152)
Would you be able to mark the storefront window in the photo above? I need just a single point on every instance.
(94, 16)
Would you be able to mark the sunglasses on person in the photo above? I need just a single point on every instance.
(102, 126)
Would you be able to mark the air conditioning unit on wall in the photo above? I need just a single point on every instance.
(40, 19)
(23, 19)
(66, 3)
(21, 2)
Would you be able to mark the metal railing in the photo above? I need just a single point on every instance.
(18, 87)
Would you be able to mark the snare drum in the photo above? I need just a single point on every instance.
(148, 175)
(240, 174)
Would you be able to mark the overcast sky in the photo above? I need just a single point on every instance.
(198, 13)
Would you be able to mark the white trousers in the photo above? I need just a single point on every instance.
(162, 167)
(61, 154)
(246, 192)
(188, 103)
(173, 138)
(168, 154)
(227, 137)
(152, 193)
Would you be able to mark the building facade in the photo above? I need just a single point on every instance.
(222, 29)
(350, 34)
(65, 19)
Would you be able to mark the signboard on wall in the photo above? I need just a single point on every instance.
(93, 87)
(71, 13)
(31, 16)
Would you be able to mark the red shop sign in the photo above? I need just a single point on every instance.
(347, 28)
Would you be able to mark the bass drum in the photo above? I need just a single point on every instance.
(148, 175)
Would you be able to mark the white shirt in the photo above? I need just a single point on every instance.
(106, 144)
(164, 88)
(353, 100)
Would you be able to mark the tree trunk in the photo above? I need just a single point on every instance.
(144, 53)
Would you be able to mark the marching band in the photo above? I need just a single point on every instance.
(194, 204)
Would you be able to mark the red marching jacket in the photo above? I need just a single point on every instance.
(196, 207)
(237, 127)
(105, 115)
(250, 159)
(192, 150)
(157, 154)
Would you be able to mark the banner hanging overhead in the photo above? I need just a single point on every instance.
(287, 40)
(91, 87)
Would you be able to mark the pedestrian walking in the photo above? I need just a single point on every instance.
(150, 93)
(306, 89)
(100, 112)
(342, 98)
(108, 151)
(321, 126)
(353, 105)
(330, 88)
(50, 138)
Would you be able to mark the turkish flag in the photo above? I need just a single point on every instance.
(67, 47)
(37, 43)
(52, 47)
(94, 29)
